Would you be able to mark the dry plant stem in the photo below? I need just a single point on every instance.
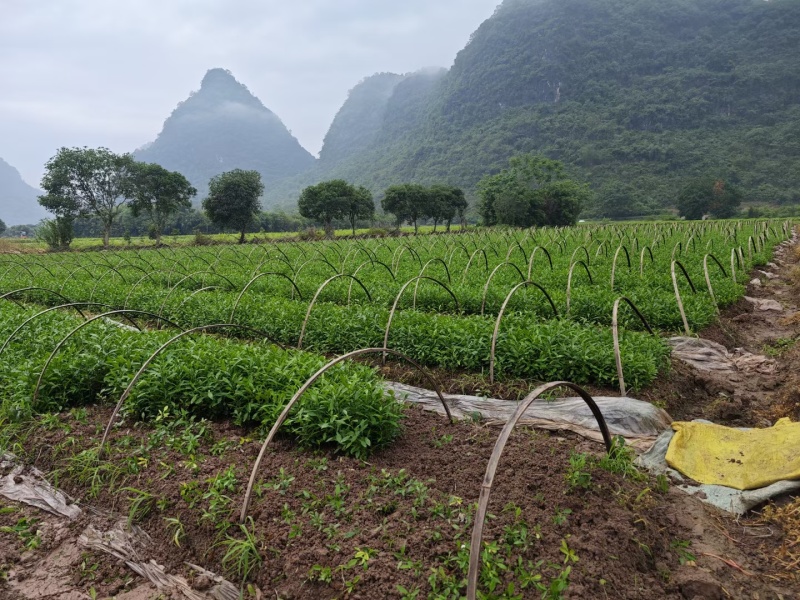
(491, 468)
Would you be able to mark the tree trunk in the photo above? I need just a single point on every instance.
(329, 230)
(353, 225)
(435, 222)
(106, 234)
(158, 238)
(415, 227)
(448, 225)
(241, 237)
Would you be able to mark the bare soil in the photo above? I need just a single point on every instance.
(327, 526)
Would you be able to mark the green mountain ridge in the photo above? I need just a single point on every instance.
(18, 204)
(635, 96)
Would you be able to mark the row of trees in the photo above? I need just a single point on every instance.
(82, 182)
(532, 191)
(337, 199)
(88, 182)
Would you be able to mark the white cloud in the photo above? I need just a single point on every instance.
(92, 72)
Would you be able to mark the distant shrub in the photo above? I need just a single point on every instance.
(201, 239)
(311, 233)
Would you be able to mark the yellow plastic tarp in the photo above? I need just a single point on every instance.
(741, 459)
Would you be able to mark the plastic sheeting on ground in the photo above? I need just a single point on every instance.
(705, 355)
(726, 498)
(743, 459)
(27, 485)
(637, 421)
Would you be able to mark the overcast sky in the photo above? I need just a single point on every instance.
(107, 73)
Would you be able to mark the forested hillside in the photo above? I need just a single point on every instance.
(636, 96)
(223, 127)
(18, 204)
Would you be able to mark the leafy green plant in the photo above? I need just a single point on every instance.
(619, 460)
(141, 504)
(577, 476)
(177, 530)
(242, 556)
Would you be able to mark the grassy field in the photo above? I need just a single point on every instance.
(34, 245)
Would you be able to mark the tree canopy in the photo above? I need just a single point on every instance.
(534, 190)
(2, 226)
(232, 200)
(708, 196)
(407, 202)
(336, 199)
(85, 182)
(158, 193)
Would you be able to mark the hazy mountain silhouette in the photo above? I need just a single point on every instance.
(223, 127)
(18, 204)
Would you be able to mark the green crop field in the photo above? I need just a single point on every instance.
(535, 304)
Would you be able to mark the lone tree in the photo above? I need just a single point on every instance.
(336, 199)
(407, 202)
(158, 193)
(444, 203)
(533, 191)
(708, 195)
(232, 200)
(360, 206)
(93, 180)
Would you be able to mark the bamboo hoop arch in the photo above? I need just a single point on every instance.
(533, 255)
(708, 279)
(492, 274)
(678, 293)
(372, 263)
(444, 264)
(8, 295)
(125, 312)
(491, 469)
(302, 390)
(74, 305)
(615, 335)
(614, 263)
(574, 252)
(469, 262)
(99, 279)
(569, 279)
(314, 299)
(397, 299)
(516, 246)
(500, 316)
(177, 283)
(163, 347)
(256, 278)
